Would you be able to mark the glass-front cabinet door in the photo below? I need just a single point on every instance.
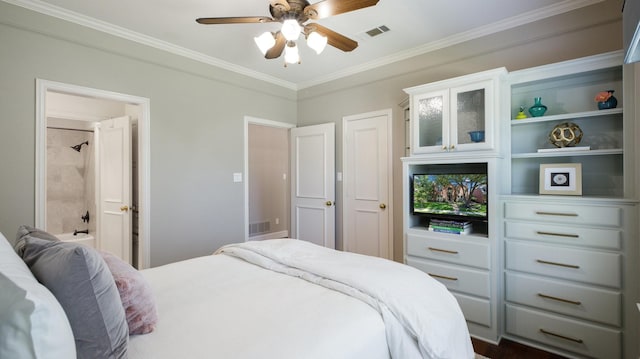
(472, 116)
(455, 119)
(431, 111)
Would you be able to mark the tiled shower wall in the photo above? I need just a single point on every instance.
(70, 181)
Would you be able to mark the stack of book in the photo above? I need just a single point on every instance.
(450, 226)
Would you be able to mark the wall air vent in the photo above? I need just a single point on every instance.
(259, 227)
(377, 30)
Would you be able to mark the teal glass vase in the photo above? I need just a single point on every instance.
(538, 109)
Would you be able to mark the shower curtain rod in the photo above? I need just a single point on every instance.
(68, 129)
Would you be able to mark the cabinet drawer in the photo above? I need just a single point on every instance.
(455, 278)
(567, 263)
(566, 234)
(559, 213)
(572, 335)
(475, 310)
(449, 250)
(567, 298)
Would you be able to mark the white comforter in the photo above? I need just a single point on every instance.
(422, 319)
(222, 307)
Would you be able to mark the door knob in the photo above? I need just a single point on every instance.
(329, 203)
(124, 208)
(383, 206)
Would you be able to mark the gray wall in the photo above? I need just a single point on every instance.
(591, 30)
(197, 111)
(196, 129)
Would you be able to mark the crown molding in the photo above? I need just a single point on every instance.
(76, 18)
(525, 18)
(506, 24)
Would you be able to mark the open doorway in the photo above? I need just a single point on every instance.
(308, 183)
(267, 188)
(68, 181)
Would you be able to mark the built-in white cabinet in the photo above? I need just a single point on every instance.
(570, 262)
(455, 115)
(559, 272)
(567, 285)
(454, 127)
(467, 263)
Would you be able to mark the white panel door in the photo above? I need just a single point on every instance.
(367, 184)
(313, 184)
(114, 226)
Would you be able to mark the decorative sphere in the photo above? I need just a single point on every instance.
(566, 134)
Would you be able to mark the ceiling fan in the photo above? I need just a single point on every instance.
(295, 16)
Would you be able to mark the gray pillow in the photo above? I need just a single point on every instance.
(25, 231)
(32, 322)
(79, 278)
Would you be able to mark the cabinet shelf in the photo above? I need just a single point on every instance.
(567, 89)
(567, 116)
(422, 230)
(613, 151)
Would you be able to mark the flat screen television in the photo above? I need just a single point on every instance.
(458, 193)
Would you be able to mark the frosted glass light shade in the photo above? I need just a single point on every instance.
(291, 54)
(317, 42)
(265, 42)
(291, 29)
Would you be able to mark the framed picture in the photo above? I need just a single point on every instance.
(561, 179)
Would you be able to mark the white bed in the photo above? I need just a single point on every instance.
(238, 310)
(223, 306)
(275, 299)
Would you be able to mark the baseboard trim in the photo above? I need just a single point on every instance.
(273, 235)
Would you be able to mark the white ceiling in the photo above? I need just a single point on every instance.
(416, 27)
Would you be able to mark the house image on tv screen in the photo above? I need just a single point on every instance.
(459, 195)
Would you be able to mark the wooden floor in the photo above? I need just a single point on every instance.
(510, 350)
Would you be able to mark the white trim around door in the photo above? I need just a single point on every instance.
(42, 86)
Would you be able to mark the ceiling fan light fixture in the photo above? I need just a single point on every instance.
(317, 42)
(265, 41)
(291, 54)
(291, 29)
(294, 16)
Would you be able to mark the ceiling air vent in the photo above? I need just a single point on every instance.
(377, 31)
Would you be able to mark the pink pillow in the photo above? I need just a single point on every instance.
(135, 294)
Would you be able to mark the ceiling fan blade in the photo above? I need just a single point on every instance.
(281, 3)
(276, 50)
(334, 39)
(326, 8)
(233, 20)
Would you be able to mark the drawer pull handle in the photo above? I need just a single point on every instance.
(575, 340)
(558, 264)
(558, 234)
(575, 302)
(557, 214)
(442, 250)
(442, 276)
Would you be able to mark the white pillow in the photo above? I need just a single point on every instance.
(32, 322)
